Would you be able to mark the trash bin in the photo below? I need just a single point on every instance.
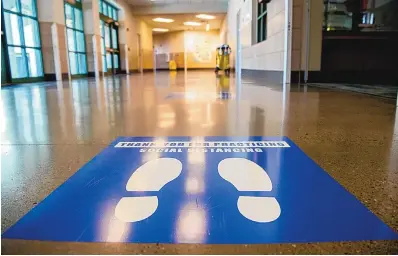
(222, 58)
(172, 65)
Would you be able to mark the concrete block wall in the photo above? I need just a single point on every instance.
(266, 55)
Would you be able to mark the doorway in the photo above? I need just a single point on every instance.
(139, 53)
(110, 47)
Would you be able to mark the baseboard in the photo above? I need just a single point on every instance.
(166, 69)
(380, 77)
(267, 76)
(50, 77)
(53, 77)
(193, 69)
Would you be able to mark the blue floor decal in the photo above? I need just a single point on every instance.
(210, 190)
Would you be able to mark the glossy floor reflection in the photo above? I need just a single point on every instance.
(49, 130)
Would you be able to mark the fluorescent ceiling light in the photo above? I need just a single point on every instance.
(205, 17)
(160, 29)
(192, 23)
(163, 20)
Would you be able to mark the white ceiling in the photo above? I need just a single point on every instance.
(143, 7)
(163, 2)
(179, 20)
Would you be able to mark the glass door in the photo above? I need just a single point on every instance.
(76, 40)
(110, 48)
(110, 38)
(21, 42)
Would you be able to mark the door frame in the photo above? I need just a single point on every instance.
(287, 55)
(139, 53)
(238, 60)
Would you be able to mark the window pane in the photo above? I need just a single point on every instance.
(109, 11)
(28, 7)
(107, 37)
(259, 9)
(34, 62)
(71, 40)
(104, 66)
(102, 25)
(82, 63)
(73, 63)
(11, 5)
(31, 32)
(78, 19)
(109, 60)
(17, 62)
(116, 61)
(114, 38)
(12, 28)
(259, 25)
(80, 41)
(264, 21)
(69, 15)
(103, 46)
(100, 6)
(114, 14)
(105, 8)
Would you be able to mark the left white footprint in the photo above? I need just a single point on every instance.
(151, 176)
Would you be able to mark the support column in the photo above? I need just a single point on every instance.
(51, 16)
(92, 35)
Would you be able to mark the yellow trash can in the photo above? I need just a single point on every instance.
(172, 65)
(222, 58)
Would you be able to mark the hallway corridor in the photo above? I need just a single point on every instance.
(50, 130)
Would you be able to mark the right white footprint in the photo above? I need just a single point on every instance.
(151, 176)
(246, 175)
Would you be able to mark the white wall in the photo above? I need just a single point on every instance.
(267, 55)
(199, 47)
(224, 31)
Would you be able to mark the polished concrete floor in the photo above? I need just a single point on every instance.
(50, 130)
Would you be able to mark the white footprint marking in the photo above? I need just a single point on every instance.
(259, 209)
(151, 176)
(133, 209)
(246, 175)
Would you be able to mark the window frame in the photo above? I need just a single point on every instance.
(112, 24)
(109, 6)
(76, 5)
(20, 15)
(261, 20)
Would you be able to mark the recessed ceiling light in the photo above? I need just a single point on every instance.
(205, 17)
(163, 20)
(192, 23)
(160, 29)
